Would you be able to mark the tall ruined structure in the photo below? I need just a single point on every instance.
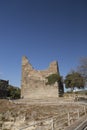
(33, 84)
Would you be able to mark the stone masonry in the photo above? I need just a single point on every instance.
(33, 84)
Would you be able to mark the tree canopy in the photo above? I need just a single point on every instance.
(82, 69)
(56, 78)
(7, 90)
(74, 79)
(53, 78)
(13, 92)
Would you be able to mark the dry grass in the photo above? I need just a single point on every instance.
(36, 112)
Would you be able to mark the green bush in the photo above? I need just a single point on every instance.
(53, 78)
(13, 92)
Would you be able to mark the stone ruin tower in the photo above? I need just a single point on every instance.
(33, 84)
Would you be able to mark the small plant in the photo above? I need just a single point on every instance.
(3, 118)
(85, 93)
(0, 124)
(66, 124)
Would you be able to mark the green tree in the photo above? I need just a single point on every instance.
(53, 78)
(13, 92)
(3, 88)
(74, 79)
(82, 68)
(56, 78)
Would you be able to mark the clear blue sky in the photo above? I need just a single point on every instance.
(44, 31)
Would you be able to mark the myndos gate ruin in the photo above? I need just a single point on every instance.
(33, 84)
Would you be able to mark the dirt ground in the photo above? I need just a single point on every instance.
(37, 111)
(25, 112)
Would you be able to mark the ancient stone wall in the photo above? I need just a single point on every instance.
(33, 84)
